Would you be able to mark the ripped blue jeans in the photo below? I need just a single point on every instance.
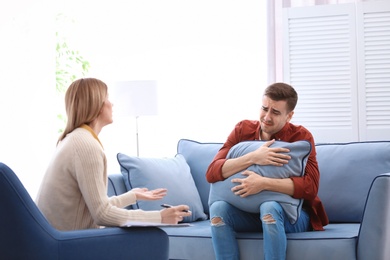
(272, 221)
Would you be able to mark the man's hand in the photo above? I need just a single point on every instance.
(255, 183)
(265, 155)
(250, 185)
(145, 194)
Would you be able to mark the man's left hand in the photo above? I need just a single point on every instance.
(252, 184)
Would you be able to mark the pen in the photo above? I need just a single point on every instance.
(170, 206)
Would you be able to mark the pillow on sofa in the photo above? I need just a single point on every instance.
(199, 156)
(171, 173)
(299, 152)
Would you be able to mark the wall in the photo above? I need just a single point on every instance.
(208, 57)
(27, 135)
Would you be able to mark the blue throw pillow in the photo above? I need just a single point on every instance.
(199, 156)
(299, 152)
(171, 173)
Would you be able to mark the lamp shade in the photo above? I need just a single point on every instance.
(135, 98)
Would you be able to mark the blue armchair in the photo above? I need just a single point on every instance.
(26, 234)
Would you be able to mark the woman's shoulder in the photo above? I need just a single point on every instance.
(80, 134)
(81, 139)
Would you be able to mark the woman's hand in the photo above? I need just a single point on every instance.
(145, 194)
(174, 214)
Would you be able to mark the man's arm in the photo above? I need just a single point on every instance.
(221, 168)
(255, 183)
(262, 156)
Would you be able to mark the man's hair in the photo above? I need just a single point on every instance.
(282, 91)
(83, 101)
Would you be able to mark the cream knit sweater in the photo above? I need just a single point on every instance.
(73, 193)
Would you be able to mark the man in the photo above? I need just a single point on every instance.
(278, 104)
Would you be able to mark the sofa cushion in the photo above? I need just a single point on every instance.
(198, 156)
(194, 242)
(347, 171)
(171, 173)
(299, 152)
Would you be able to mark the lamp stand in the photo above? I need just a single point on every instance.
(136, 98)
(136, 134)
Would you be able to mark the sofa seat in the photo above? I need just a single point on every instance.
(338, 241)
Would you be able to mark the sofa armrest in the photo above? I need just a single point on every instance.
(116, 185)
(374, 234)
(114, 243)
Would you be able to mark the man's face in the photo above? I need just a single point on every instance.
(273, 116)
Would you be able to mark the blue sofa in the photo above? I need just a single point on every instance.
(26, 234)
(354, 188)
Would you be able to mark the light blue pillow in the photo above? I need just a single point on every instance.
(199, 156)
(299, 152)
(171, 173)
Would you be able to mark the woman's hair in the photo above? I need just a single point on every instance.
(83, 101)
(282, 91)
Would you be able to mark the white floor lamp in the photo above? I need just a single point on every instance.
(136, 98)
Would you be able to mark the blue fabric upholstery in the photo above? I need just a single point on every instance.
(170, 173)
(299, 152)
(113, 188)
(199, 156)
(26, 234)
(347, 171)
(353, 188)
(338, 242)
(375, 222)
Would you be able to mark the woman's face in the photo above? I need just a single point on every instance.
(105, 116)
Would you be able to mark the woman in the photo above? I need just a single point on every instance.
(73, 193)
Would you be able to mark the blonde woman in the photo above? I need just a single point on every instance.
(73, 193)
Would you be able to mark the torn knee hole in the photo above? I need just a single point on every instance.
(268, 219)
(216, 221)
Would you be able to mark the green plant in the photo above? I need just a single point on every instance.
(70, 64)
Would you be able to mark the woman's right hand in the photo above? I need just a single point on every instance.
(175, 214)
(145, 194)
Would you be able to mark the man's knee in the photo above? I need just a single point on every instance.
(217, 221)
(219, 208)
(268, 219)
(270, 206)
(270, 211)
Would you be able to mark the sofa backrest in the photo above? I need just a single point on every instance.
(347, 171)
(199, 156)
